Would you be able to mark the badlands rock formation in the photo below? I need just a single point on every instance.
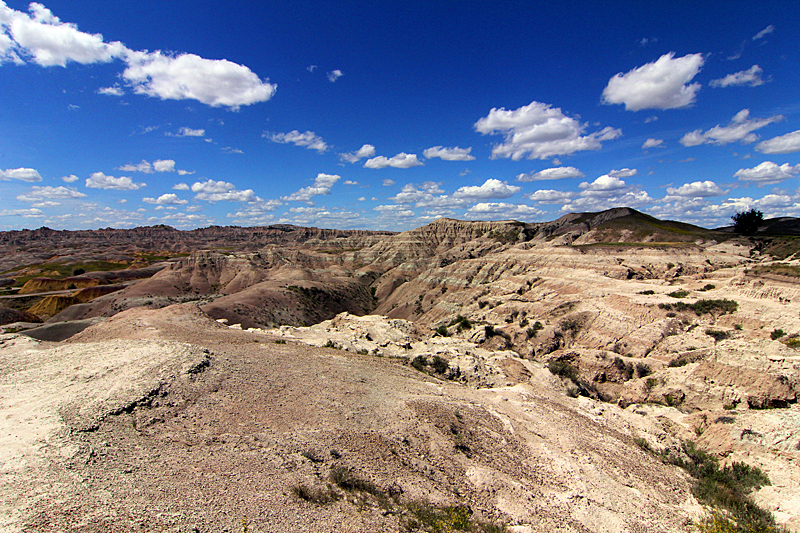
(501, 365)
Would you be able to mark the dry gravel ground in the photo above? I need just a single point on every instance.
(167, 421)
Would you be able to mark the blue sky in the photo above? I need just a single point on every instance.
(383, 115)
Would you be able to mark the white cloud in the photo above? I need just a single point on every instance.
(449, 154)
(23, 174)
(604, 186)
(411, 193)
(784, 144)
(215, 82)
(25, 213)
(696, 189)
(164, 165)
(540, 131)
(663, 84)
(766, 31)
(503, 210)
(334, 75)
(72, 178)
(491, 188)
(46, 203)
(549, 196)
(401, 160)
(111, 91)
(623, 173)
(166, 199)
(768, 173)
(555, 173)
(183, 131)
(259, 212)
(387, 183)
(98, 180)
(394, 210)
(229, 150)
(144, 167)
(185, 172)
(652, 143)
(308, 139)
(180, 187)
(221, 191)
(751, 77)
(38, 194)
(740, 129)
(624, 198)
(365, 151)
(322, 185)
(350, 182)
(47, 41)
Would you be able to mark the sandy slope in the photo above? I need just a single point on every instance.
(192, 450)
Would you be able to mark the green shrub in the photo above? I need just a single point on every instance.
(648, 292)
(679, 294)
(489, 331)
(717, 335)
(534, 329)
(280, 341)
(777, 334)
(643, 370)
(563, 369)
(701, 307)
(708, 287)
(442, 331)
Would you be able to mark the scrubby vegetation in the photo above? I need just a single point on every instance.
(703, 306)
(678, 294)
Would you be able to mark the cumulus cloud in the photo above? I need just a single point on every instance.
(98, 180)
(740, 129)
(502, 210)
(111, 91)
(623, 173)
(181, 187)
(652, 143)
(72, 178)
(449, 154)
(259, 212)
(663, 84)
(334, 75)
(365, 151)
(23, 174)
(322, 185)
(221, 191)
(25, 213)
(751, 77)
(401, 160)
(768, 172)
(309, 139)
(491, 188)
(549, 196)
(41, 37)
(37, 194)
(604, 186)
(539, 131)
(394, 210)
(784, 144)
(555, 173)
(166, 199)
(387, 183)
(696, 189)
(144, 166)
(214, 82)
(164, 165)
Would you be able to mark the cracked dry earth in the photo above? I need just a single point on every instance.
(167, 421)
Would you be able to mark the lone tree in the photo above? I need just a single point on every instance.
(747, 222)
